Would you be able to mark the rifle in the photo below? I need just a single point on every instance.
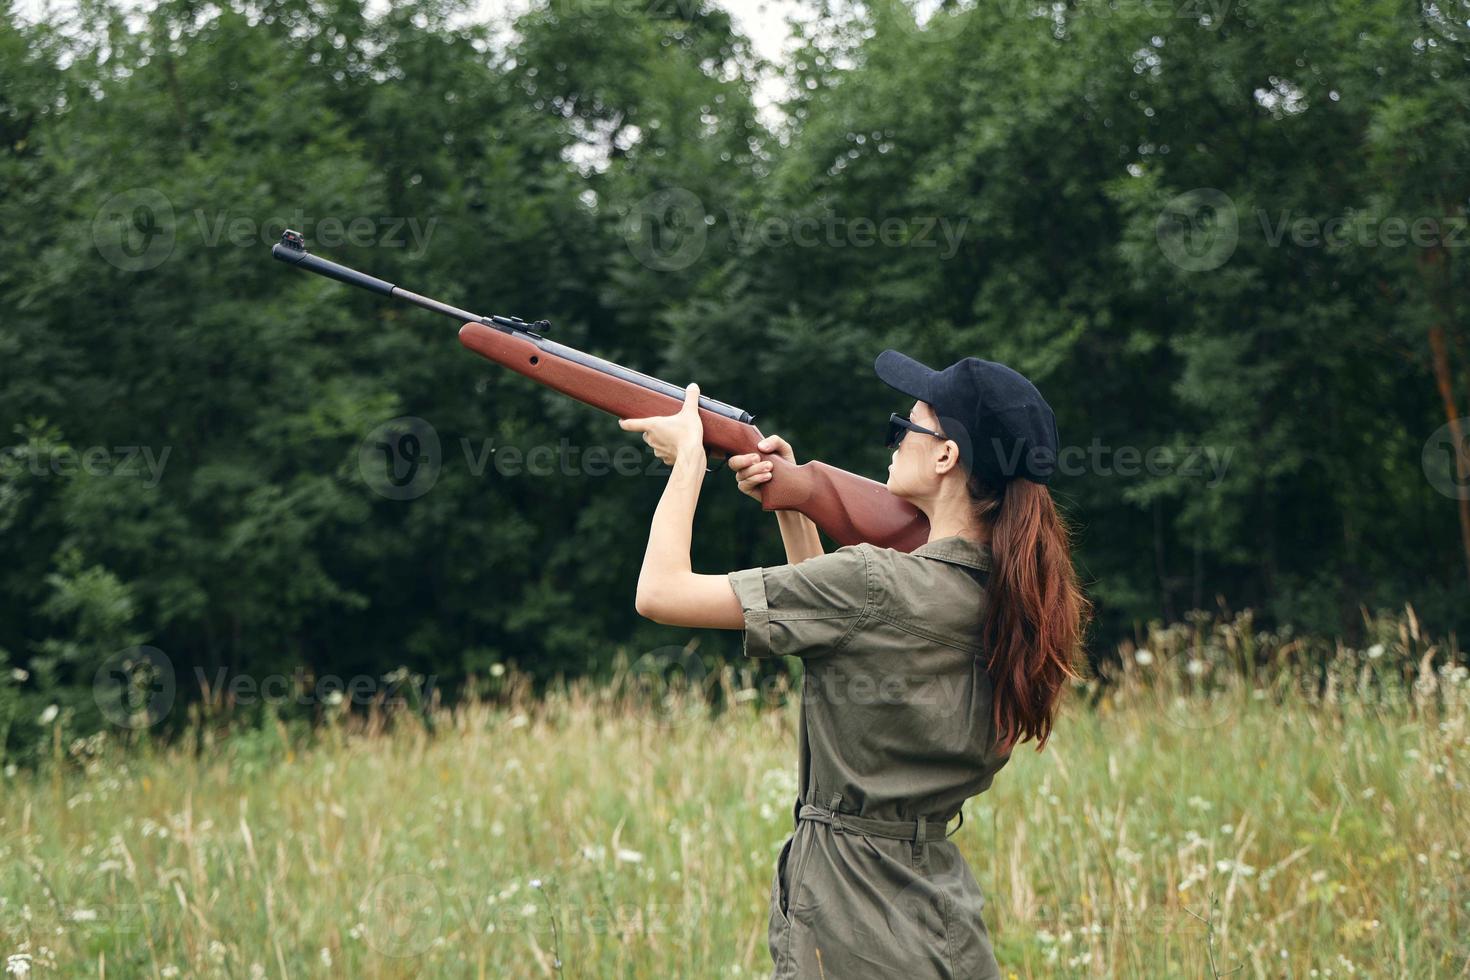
(851, 509)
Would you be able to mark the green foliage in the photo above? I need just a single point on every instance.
(1022, 157)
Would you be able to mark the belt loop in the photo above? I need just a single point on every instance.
(919, 841)
(836, 820)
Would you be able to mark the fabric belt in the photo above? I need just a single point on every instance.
(921, 831)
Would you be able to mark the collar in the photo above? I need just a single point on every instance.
(956, 549)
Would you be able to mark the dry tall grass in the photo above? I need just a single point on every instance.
(1194, 820)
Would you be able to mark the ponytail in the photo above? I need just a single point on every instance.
(1035, 611)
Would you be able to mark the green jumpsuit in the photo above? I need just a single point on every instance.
(896, 733)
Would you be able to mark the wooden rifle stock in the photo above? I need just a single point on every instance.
(851, 509)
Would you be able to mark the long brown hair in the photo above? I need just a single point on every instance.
(1035, 612)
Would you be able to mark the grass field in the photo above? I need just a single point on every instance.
(1170, 829)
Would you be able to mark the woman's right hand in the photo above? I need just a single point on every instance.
(751, 472)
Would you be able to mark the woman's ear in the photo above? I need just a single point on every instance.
(948, 458)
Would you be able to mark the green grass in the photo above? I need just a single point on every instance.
(1169, 829)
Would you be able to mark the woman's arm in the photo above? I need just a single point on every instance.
(798, 533)
(669, 591)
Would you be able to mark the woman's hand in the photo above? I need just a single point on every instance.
(751, 472)
(672, 436)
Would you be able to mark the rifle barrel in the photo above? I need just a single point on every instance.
(291, 249)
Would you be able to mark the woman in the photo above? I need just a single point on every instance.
(922, 670)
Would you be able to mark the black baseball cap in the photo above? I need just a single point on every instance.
(1003, 426)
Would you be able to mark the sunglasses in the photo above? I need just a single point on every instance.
(898, 427)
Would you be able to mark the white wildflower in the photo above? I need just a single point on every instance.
(18, 964)
(632, 857)
(1195, 667)
(1143, 656)
(47, 717)
(1375, 651)
(326, 956)
(496, 670)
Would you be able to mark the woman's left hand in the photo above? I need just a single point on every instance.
(672, 435)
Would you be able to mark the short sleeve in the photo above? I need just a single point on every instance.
(804, 610)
